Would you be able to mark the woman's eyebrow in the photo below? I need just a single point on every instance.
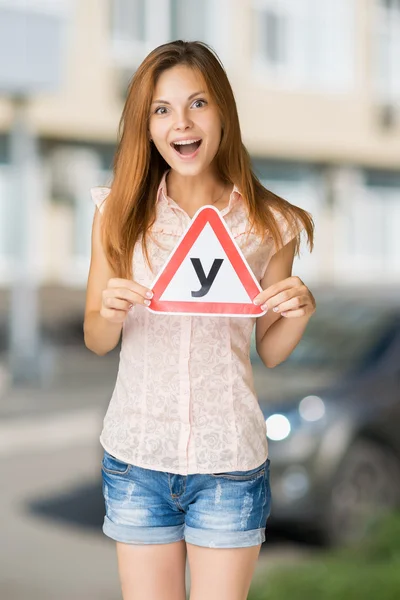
(160, 101)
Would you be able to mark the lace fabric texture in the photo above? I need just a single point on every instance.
(184, 400)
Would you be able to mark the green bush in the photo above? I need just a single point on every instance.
(365, 571)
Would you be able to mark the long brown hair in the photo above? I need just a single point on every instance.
(138, 166)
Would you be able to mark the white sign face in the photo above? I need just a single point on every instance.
(206, 274)
(207, 263)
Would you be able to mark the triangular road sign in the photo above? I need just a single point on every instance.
(206, 273)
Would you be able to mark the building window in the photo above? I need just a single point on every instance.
(304, 44)
(387, 63)
(188, 19)
(128, 36)
(128, 20)
(274, 36)
(367, 223)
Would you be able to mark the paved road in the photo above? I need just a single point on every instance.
(51, 514)
(51, 507)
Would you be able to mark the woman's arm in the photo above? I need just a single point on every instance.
(278, 334)
(108, 298)
(100, 335)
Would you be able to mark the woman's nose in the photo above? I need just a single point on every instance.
(183, 122)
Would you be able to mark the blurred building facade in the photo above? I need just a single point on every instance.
(317, 86)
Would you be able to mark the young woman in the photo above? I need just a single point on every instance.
(185, 467)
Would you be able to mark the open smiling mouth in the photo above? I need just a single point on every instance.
(186, 149)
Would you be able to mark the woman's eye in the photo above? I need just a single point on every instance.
(202, 102)
(160, 108)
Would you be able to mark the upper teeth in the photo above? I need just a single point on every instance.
(181, 143)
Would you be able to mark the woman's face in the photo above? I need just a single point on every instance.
(183, 110)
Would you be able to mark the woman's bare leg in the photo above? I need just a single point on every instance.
(152, 571)
(221, 573)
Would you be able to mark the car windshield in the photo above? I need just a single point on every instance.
(341, 337)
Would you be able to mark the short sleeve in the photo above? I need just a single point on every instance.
(99, 194)
(288, 232)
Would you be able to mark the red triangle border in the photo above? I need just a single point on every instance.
(206, 215)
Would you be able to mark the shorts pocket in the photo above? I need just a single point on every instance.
(244, 475)
(114, 466)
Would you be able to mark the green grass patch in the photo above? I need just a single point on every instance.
(368, 570)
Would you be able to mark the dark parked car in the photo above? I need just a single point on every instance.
(333, 419)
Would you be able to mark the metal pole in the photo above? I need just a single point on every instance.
(24, 350)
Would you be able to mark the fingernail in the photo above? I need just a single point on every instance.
(147, 302)
(256, 301)
(276, 309)
(264, 307)
(149, 294)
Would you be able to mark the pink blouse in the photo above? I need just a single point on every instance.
(184, 400)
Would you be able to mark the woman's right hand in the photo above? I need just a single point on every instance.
(119, 297)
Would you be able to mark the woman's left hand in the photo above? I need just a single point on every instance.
(289, 297)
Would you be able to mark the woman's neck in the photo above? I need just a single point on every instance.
(191, 193)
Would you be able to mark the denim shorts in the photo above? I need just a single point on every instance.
(221, 510)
